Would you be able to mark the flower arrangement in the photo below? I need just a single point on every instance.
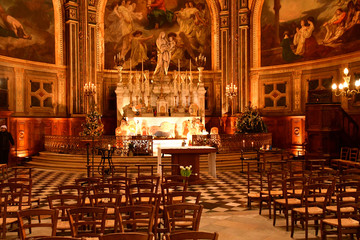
(185, 171)
(93, 126)
(250, 121)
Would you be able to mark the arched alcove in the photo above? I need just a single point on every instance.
(215, 23)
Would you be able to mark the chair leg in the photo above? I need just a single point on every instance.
(322, 229)
(316, 227)
(292, 223)
(274, 220)
(306, 229)
(286, 213)
(269, 205)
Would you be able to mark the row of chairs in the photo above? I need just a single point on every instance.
(293, 190)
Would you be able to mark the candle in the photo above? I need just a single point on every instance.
(243, 143)
(252, 144)
(109, 147)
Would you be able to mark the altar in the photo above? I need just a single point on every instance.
(164, 105)
(189, 155)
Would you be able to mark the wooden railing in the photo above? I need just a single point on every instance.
(143, 145)
(226, 143)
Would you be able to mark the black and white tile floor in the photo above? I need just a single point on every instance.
(225, 193)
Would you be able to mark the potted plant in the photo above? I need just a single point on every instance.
(250, 121)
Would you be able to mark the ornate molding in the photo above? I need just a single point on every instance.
(256, 34)
(92, 17)
(71, 11)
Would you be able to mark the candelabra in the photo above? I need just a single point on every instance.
(89, 91)
(346, 88)
(119, 62)
(231, 92)
(200, 61)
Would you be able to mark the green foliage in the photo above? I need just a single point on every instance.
(93, 126)
(250, 122)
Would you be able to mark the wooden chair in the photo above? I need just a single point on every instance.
(346, 222)
(123, 183)
(4, 217)
(274, 188)
(62, 202)
(169, 187)
(183, 217)
(26, 218)
(27, 198)
(255, 183)
(354, 154)
(314, 199)
(150, 179)
(87, 221)
(22, 172)
(344, 155)
(192, 235)
(166, 170)
(111, 201)
(128, 236)
(136, 218)
(291, 194)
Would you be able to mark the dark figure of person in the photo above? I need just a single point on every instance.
(5, 140)
(287, 54)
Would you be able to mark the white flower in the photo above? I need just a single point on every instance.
(182, 168)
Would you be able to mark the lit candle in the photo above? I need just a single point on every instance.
(243, 143)
(252, 144)
(109, 147)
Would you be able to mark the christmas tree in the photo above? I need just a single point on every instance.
(93, 126)
(250, 121)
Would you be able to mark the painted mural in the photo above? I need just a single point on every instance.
(135, 29)
(27, 30)
(295, 31)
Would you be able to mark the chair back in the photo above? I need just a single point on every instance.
(184, 197)
(183, 217)
(354, 154)
(316, 195)
(89, 181)
(192, 235)
(87, 221)
(149, 179)
(128, 236)
(169, 187)
(71, 189)
(344, 153)
(15, 193)
(109, 188)
(62, 202)
(136, 218)
(27, 217)
(348, 200)
(27, 189)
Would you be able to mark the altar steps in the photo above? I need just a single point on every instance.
(76, 163)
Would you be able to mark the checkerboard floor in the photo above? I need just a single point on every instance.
(225, 193)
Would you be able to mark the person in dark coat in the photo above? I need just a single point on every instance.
(287, 54)
(5, 140)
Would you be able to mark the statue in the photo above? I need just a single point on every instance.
(164, 48)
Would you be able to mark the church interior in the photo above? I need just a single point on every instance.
(222, 94)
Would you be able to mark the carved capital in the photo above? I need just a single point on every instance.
(243, 19)
(71, 13)
(92, 17)
(224, 21)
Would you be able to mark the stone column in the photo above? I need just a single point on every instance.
(72, 41)
(243, 56)
(225, 54)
